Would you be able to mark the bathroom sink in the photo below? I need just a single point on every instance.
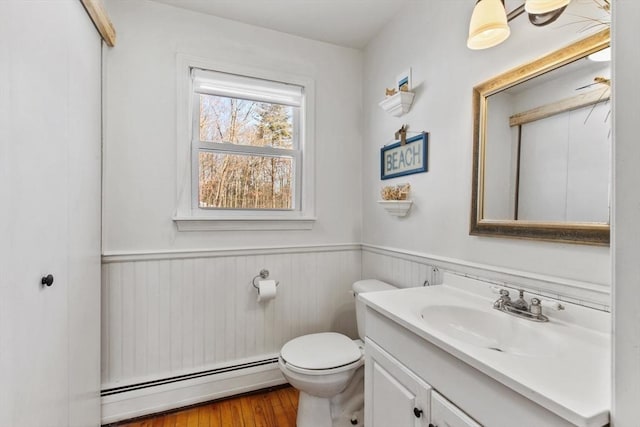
(562, 365)
(491, 330)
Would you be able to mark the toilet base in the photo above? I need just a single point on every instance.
(313, 411)
(343, 410)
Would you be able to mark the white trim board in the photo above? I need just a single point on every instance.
(242, 224)
(588, 294)
(128, 256)
(137, 403)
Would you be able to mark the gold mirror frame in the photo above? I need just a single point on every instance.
(568, 232)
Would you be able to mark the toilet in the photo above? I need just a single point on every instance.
(327, 369)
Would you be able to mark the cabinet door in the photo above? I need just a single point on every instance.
(394, 396)
(446, 414)
(49, 215)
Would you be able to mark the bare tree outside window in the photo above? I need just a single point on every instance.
(245, 180)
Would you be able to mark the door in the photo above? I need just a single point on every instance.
(49, 214)
(446, 414)
(394, 396)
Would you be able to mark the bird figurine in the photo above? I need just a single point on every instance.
(401, 134)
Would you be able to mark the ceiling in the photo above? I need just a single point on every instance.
(351, 23)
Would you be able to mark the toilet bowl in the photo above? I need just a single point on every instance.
(321, 364)
(327, 369)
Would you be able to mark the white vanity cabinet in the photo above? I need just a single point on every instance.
(446, 414)
(395, 396)
(403, 371)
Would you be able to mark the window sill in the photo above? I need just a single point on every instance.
(240, 224)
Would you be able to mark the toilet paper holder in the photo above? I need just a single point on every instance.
(264, 273)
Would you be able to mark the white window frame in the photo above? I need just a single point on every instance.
(189, 216)
(291, 96)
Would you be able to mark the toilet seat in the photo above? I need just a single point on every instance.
(321, 354)
(323, 372)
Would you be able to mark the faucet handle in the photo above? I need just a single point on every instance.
(498, 290)
(535, 308)
(504, 297)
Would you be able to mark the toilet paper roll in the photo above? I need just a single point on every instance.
(266, 290)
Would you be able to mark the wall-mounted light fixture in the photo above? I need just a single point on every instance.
(489, 22)
(488, 26)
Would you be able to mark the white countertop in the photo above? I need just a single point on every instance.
(572, 380)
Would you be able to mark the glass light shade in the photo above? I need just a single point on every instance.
(488, 26)
(544, 6)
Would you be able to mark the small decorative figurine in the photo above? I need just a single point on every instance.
(401, 134)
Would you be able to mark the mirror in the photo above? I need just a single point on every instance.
(542, 148)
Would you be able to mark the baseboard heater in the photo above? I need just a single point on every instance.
(193, 375)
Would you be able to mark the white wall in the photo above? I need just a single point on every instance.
(430, 37)
(140, 125)
(626, 215)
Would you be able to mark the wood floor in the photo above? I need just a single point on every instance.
(271, 408)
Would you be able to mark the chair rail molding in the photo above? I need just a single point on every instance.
(150, 255)
(384, 263)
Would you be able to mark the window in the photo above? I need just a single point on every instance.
(246, 149)
(250, 152)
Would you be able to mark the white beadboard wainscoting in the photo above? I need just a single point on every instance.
(185, 327)
(407, 268)
(180, 328)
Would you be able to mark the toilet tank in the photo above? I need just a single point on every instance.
(363, 286)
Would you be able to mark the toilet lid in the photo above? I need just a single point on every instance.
(320, 351)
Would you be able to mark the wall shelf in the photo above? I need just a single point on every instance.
(396, 207)
(398, 104)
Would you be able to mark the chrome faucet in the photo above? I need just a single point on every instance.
(520, 303)
(520, 308)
